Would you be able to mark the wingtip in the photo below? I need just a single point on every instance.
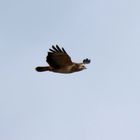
(86, 61)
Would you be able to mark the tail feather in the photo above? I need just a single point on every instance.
(42, 69)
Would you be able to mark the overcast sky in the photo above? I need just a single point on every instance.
(99, 103)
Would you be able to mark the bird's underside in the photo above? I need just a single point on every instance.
(59, 61)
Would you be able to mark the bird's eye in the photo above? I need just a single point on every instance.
(82, 66)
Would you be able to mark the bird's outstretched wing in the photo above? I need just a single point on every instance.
(58, 58)
(86, 61)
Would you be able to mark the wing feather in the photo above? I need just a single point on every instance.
(58, 58)
(64, 50)
(58, 48)
(52, 50)
(55, 49)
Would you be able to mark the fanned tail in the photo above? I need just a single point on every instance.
(42, 69)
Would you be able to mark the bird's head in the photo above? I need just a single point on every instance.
(82, 66)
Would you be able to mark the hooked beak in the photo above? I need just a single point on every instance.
(84, 67)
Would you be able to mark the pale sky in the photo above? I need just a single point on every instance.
(99, 103)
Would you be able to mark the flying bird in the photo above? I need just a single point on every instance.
(59, 61)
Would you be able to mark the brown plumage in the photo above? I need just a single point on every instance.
(59, 61)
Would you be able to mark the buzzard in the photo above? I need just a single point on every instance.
(59, 61)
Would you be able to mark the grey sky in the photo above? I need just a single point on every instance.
(100, 103)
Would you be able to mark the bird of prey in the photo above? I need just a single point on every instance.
(59, 61)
